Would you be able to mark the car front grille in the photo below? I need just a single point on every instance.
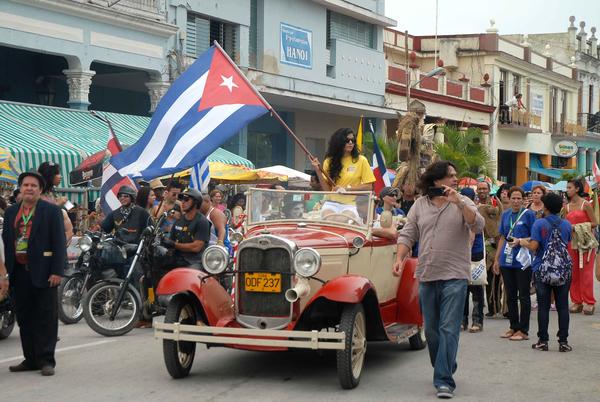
(261, 304)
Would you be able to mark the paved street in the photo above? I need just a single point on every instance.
(94, 368)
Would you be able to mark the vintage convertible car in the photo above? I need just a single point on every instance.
(308, 274)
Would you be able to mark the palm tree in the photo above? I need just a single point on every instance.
(466, 151)
(387, 146)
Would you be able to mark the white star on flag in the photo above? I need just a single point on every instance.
(228, 82)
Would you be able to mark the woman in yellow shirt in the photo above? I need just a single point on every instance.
(348, 169)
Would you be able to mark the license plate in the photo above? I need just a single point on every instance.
(262, 282)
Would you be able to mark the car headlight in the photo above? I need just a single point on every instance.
(307, 262)
(215, 259)
(85, 243)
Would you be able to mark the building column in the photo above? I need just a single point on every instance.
(581, 161)
(79, 82)
(156, 90)
(591, 158)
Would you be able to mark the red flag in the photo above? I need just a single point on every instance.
(382, 178)
(112, 181)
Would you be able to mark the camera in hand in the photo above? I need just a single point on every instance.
(436, 191)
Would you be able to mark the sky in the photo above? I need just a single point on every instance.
(511, 16)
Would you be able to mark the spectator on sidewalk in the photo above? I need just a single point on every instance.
(490, 207)
(34, 237)
(550, 247)
(441, 224)
(581, 216)
(516, 223)
(477, 254)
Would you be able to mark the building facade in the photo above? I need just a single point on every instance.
(580, 51)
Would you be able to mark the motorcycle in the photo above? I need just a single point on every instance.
(112, 307)
(100, 258)
(7, 317)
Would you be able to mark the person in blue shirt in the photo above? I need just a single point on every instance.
(540, 235)
(516, 222)
(475, 290)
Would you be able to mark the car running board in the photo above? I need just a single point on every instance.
(401, 332)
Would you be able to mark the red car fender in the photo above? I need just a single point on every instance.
(344, 289)
(213, 298)
(409, 309)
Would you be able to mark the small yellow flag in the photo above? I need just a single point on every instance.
(359, 135)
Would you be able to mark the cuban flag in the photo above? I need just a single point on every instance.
(208, 104)
(111, 179)
(382, 178)
(200, 176)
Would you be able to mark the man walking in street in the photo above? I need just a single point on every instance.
(441, 221)
(34, 238)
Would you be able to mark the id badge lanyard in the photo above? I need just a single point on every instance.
(22, 241)
(508, 250)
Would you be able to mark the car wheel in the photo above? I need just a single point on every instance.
(418, 341)
(350, 360)
(179, 356)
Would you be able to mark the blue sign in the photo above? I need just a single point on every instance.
(296, 46)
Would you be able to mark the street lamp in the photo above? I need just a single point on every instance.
(432, 73)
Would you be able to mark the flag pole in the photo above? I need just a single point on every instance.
(274, 113)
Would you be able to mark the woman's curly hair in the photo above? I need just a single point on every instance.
(48, 170)
(335, 152)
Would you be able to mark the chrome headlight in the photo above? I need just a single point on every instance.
(215, 259)
(307, 262)
(85, 243)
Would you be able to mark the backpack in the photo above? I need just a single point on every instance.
(555, 269)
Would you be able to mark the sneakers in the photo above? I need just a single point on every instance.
(543, 346)
(444, 392)
(564, 347)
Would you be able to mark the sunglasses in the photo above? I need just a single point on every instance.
(184, 198)
(122, 195)
(350, 140)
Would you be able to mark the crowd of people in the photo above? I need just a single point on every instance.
(538, 242)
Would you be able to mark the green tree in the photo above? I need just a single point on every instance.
(465, 149)
(387, 146)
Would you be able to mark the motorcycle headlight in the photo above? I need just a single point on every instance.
(215, 259)
(307, 262)
(85, 243)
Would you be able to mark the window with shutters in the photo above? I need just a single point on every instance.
(202, 31)
(358, 32)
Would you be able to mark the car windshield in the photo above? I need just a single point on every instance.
(276, 205)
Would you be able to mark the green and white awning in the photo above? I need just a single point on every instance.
(34, 134)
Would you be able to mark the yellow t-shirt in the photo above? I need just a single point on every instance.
(353, 173)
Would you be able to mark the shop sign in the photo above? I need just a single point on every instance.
(296, 46)
(565, 149)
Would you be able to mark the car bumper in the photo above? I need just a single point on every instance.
(251, 337)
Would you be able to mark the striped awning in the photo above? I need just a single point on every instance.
(34, 134)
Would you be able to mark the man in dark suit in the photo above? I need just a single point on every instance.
(35, 252)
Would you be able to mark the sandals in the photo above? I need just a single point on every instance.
(589, 309)
(475, 328)
(519, 336)
(576, 308)
(508, 334)
(543, 346)
(564, 347)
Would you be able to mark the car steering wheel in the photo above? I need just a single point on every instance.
(346, 217)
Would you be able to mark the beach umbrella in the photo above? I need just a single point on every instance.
(528, 186)
(467, 181)
(9, 172)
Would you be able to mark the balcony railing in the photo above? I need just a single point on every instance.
(521, 120)
(590, 121)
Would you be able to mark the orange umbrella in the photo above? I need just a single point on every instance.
(467, 181)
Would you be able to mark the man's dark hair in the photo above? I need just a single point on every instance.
(553, 202)
(436, 171)
(504, 186)
(517, 189)
(174, 184)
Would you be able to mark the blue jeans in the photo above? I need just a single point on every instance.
(442, 304)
